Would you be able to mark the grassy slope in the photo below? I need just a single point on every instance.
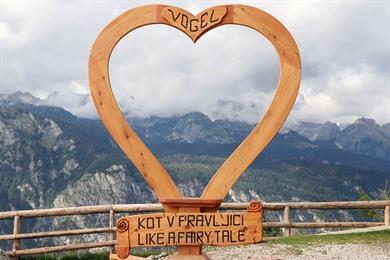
(367, 237)
(282, 180)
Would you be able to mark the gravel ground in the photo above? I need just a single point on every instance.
(265, 251)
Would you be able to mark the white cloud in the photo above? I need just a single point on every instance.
(358, 91)
(230, 72)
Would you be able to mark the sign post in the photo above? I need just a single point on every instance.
(189, 230)
(189, 223)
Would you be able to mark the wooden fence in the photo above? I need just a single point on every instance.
(112, 210)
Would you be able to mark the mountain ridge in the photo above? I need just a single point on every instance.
(52, 158)
(52, 146)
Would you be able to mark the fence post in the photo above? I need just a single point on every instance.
(112, 225)
(16, 242)
(286, 220)
(387, 215)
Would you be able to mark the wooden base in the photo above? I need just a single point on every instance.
(190, 205)
(190, 202)
(130, 257)
(178, 256)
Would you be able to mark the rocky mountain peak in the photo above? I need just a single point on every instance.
(386, 127)
(196, 117)
(18, 97)
(365, 136)
(316, 131)
(198, 127)
(366, 122)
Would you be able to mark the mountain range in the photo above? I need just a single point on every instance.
(364, 136)
(51, 158)
(47, 152)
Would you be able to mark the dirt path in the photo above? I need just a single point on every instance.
(265, 251)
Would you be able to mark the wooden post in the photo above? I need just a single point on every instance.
(190, 205)
(387, 215)
(189, 251)
(111, 220)
(16, 242)
(286, 220)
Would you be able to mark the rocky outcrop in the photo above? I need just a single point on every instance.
(114, 185)
(316, 131)
(367, 137)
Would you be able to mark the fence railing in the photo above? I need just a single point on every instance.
(112, 210)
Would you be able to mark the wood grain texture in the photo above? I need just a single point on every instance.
(188, 202)
(147, 164)
(59, 233)
(136, 208)
(53, 249)
(130, 257)
(172, 229)
(387, 215)
(17, 226)
(281, 105)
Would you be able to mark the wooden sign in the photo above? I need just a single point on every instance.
(147, 164)
(173, 229)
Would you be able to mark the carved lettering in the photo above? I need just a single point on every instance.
(170, 220)
(173, 15)
(193, 25)
(184, 21)
(203, 22)
(140, 223)
(211, 17)
(150, 223)
(171, 229)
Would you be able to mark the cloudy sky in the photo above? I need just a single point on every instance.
(231, 72)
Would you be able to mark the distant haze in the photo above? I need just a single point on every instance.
(230, 73)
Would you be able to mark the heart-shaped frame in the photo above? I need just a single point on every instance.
(148, 165)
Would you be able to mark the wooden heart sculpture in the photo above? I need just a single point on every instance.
(194, 26)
